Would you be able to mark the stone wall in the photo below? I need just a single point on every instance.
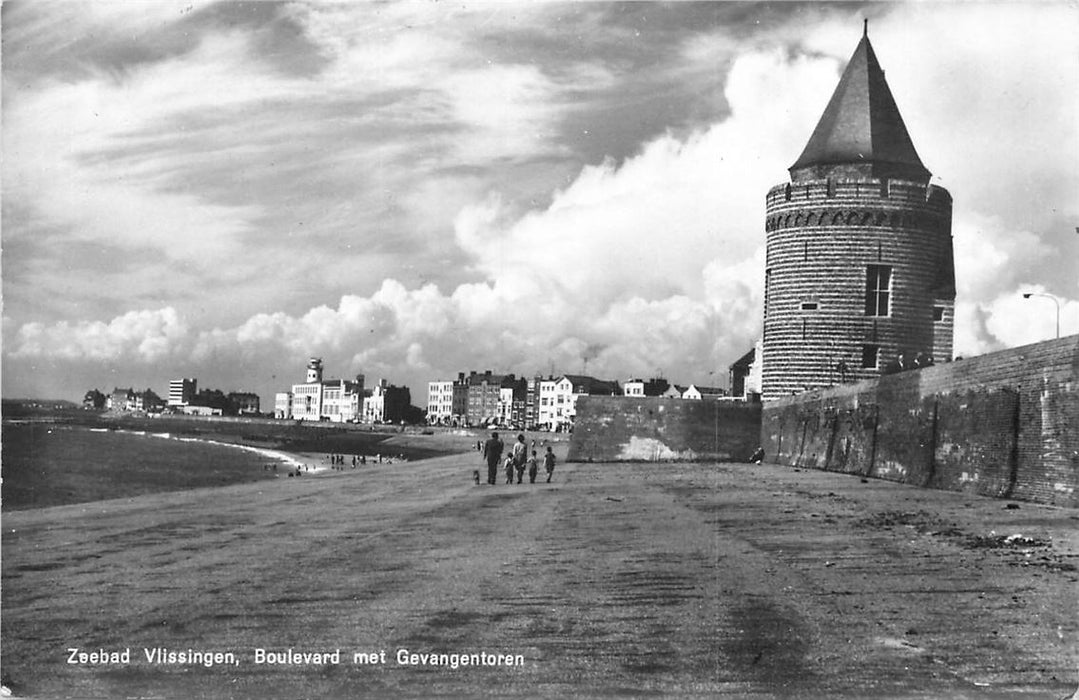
(630, 429)
(1004, 424)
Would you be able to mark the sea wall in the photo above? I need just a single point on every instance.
(632, 429)
(1004, 424)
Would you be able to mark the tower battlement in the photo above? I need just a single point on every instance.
(898, 191)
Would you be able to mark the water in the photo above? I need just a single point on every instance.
(48, 464)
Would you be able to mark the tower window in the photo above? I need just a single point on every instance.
(878, 290)
(938, 313)
(870, 353)
(809, 306)
(767, 287)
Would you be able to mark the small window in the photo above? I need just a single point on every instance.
(870, 353)
(809, 306)
(938, 313)
(767, 287)
(878, 286)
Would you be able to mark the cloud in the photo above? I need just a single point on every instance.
(139, 336)
(629, 258)
(413, 193)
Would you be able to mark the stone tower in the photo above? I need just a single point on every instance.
(859, 248)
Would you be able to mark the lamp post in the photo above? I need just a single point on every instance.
(1027, 295)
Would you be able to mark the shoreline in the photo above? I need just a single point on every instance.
(291, 459)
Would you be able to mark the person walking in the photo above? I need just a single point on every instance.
(509, 464)
(533, 468)
(492, 454)
(520, 456)
(548, 463)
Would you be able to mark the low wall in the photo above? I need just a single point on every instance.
(1004, 424)
(630, 429)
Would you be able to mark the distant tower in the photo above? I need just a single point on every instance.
(314, 370)
(859, 247)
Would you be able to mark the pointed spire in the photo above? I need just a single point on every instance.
(861, 133)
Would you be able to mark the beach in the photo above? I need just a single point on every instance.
(728, 580)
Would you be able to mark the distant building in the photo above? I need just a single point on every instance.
(245, 403)
(532, 401)
(282, 404)
(121, 400)
(147, 401)
(94, 400)
(484, 398)
(640, 387)
(316, 399)
(674, 391)
(182, 391)
(700, 393)
(196, 410)
(558, 398)
(513, 395)
(447, 401)
(746, 375)
(386, 403)
(739, 370)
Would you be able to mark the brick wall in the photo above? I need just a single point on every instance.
(821, 239)
(628, 429)
(1004, 424)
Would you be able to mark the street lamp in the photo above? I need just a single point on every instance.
(1027, 295)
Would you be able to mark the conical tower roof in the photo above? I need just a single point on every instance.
(861, 132)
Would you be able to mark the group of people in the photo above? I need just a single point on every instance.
(517, 461)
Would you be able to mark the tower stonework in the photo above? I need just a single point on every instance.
(859, 268)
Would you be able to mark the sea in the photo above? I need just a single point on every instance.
(49, 464)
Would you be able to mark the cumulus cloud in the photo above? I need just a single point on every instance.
(140, 336)
(431, 186)
(630, 258)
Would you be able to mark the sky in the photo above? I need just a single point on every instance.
(409, 190)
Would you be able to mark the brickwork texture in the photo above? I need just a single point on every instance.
(822, 238)
(1004, 424)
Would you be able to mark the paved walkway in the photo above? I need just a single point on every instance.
(632, 579)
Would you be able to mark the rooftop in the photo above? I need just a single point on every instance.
(861, 133)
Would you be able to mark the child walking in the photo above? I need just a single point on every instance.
(533, 467)
(548, 463)
(508, 465)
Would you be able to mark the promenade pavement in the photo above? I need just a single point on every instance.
(669, 580)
